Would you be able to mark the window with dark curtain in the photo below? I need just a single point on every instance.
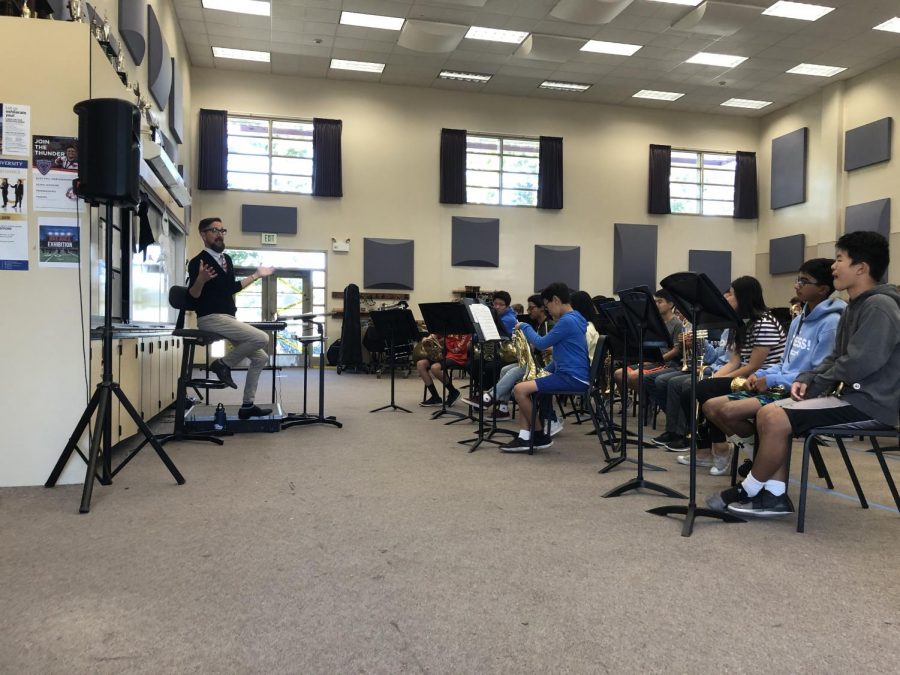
(746, 195)
(213, 170)
(550, 173)
(660, 167)
(453, 166)
(327, 174)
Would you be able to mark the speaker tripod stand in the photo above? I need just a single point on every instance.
(101, 402)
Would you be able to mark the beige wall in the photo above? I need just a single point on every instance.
(391, 139)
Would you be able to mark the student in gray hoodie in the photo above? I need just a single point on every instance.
(857, 386)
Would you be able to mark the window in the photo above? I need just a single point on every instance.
(270, 155)
(502, 171)
(157, 268)
(702, 183)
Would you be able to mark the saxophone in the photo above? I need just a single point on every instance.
(524, 357)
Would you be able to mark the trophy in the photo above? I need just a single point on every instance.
(26, 11)
(76, 10)
(104, 30)
(119, 63)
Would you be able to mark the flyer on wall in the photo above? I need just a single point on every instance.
(15, 128)
(59, 243)
(54, 167)
(14, 188)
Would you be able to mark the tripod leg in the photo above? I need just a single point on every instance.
(148, 435)
(102, 411)
(73, 439)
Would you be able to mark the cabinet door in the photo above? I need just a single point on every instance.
(130, 384)
(149, 377)
(166, 383)
(177, 351)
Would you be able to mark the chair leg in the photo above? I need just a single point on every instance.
(859, 492)
(886, 471)
(804, 476)
(819, 463)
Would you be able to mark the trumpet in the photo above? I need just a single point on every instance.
(687, 347)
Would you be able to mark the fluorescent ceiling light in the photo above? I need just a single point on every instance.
(817, 70)
(496, 35)
(362, 66)
(241, 6)
(710, 59)
(371, 21)
(692, 3)
(242, 54)
(564, 86)
(798, 10)
(746, 103)
(658, 95)
(618, 48)
(465, 77)
(891, 25)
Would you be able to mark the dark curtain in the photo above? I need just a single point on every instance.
(550, 173)
(660, 166)
(327, 175)
(453, 166)
(145, 233)
(213, 173)
(746, 195)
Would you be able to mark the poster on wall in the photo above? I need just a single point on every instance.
(54, 165)
(14, 188)
(15, 125)
(59, 243)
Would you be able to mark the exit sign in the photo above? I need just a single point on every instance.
(269, 239)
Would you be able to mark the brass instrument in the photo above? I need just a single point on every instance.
(524, 357)
(428, 348)
(739, 384)
(687, 347)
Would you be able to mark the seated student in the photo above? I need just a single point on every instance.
(857, 386)
(431, 367)
(518, 308)
(568, 371)
(581, 303)
(810, 339)
(508, 319)
(757, 343)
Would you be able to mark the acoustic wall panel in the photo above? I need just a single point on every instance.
(475, 242)
(277, 219)
(786, 254)
(133, 28)
(715, 264)
(634, 256)
(388, 263)
(176, 105)
(789, 169)
(159, 66)
(875, 216)
(557, 263)
(868, 144)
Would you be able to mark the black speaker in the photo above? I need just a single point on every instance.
(109, 151)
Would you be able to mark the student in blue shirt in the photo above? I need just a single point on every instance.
(569, 369)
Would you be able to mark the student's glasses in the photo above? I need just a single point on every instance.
(801, 282)
(215, 230)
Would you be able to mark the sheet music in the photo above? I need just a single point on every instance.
(482, 316)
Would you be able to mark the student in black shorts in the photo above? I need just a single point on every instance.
(858, 386)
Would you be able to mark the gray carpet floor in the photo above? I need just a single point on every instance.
(384, 547)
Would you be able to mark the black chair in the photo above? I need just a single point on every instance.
(839, 434)
(587, 394)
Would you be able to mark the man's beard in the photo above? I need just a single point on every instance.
(218, 246)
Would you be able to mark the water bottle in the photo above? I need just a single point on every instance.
(219, 419)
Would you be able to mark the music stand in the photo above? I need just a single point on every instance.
(697, 297)
(399, 326)
(446, 318)
(646, 326)
(304, 419)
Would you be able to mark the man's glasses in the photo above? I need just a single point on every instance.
(215, 230)
(801, 282)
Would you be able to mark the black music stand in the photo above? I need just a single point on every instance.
(648, 330)
(398, 325)
(697, 297)
(615, 322)
(446, 318)
(305, 419)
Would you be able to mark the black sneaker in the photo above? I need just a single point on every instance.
(431, 402)
(223, 372)
(542, 440)
(664, 438)
(678, 444)
(452, 396)
(518, 444)
(722, 500)
(253, 411)
(744, 469)
(763, 505)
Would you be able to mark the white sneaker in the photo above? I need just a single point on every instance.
(745, 443)
(721, 464)
(555, 427)
(686, 460)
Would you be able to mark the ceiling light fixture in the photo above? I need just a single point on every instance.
(371, 21)
(617, 48)
(241, 6)
(711, 59)
(816, 70)
(241, 54)
(361, 66)
(891, 25)
(746, 103)
(658, 95)
(464, 77)
(496, 35)
(798, 10)
(564, 86)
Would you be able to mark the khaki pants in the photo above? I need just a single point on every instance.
(248, 342)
